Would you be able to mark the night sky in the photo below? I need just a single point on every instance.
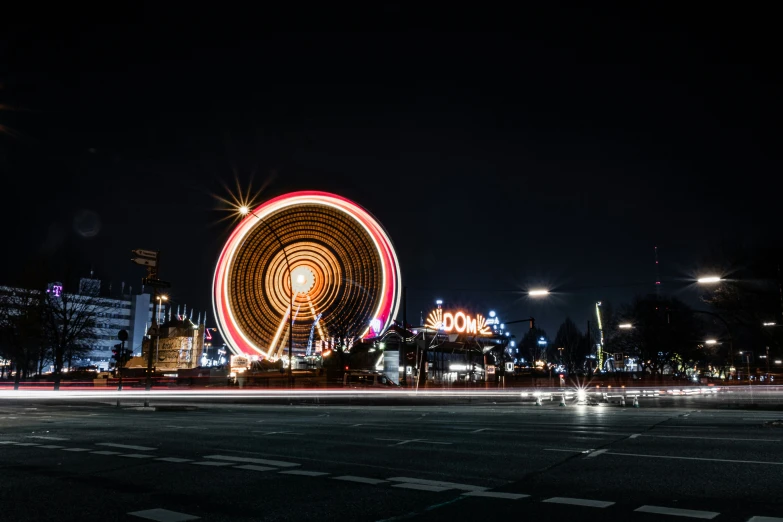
(541, 149)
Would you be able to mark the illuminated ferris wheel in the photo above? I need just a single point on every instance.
(335, 256)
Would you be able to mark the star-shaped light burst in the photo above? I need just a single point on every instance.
(239, 202)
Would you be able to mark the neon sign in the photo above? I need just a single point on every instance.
(459, 322)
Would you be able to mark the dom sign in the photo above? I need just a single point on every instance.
(459, 322)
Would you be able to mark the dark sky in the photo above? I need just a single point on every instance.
(542, 148)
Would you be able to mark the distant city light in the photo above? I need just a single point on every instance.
(492, 313)
(770, 324)
(626, 325)
(709, 279)
(538, 293)
(439, 302)
(711, 341)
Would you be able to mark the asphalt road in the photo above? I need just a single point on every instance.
(242, 462)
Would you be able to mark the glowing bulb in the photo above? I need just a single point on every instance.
(244, 210)
(301, 279)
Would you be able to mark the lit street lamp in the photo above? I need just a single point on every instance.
(709, 279)
(712, 341)
(625, 326)
(538, 293)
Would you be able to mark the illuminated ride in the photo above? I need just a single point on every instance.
(343, 270)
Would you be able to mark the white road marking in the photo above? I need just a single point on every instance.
(246, 460)
(76, 449)
(480, 430)
(694, 458)
(211, 463)
(51, 446)
(635, 435)
(105, 452)
(27, 444)
(163, 515)
(363, 480)
(276, 432)
(596, 453)
(46, 437)
(709, 438)
(355, 425)
(495, 494)
(173, 459)
(420, 487)
(438, 483)
(407, 441)
(692, 513)
(137, 456)
(765, 519)
(303, 473)
(7, 442)
(255, 468)
(124, 446)
(187, 427)
(568, 450)
(579, 502)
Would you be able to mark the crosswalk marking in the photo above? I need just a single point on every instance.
(248, 460)
(125, 446)
(255, 468)
(51, 446)
(303, 473)
(438, 483)
(692, 513)
(76, 449)
(420, 487)
(105, 452)
(765, 519)
(579, 502)
(362, 480)
(212, 463)
(173, 459)
(137, 456)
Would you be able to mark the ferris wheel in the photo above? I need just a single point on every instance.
(301, 265)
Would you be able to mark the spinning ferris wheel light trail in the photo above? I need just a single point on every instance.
(300, 263)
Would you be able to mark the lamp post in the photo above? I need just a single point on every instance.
(160, 299)
(245, 210)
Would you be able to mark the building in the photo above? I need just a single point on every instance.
(180, 344)
(111, 314)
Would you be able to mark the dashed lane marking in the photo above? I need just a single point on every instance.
(495, 494)
(163, 515)
(46, 437)
(51, 446)
(303, 473)
(76, 449)
(420, 487)
(137, 456)
(362, 480)
(691, 513)
(125, 446)
(255, 468)
(709, 438)
(27, 444)
(105, 452)
(567, 450)
(248, 460)
(765, 519)
(578, 502)
(173, 459)
(438, 483)
(212, 463)
(400, 442)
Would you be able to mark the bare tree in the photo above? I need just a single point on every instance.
(22, 336)
(69, 323)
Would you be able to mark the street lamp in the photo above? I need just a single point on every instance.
(538, 293)
(244, 210)
(625, 326)
(709, 279)
(712, 341)
(160, 298)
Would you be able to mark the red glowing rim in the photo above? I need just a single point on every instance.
(388, 304)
